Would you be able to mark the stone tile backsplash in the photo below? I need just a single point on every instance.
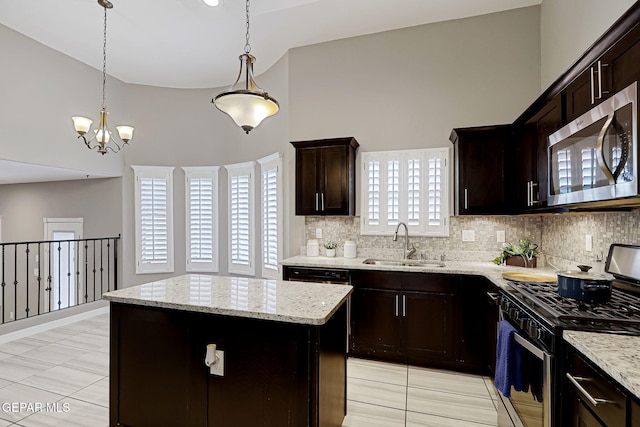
(562, 238)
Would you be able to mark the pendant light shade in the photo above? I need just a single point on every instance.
(246, 103)
(247, 106)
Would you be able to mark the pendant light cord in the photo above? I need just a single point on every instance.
(247, 46)
(104, 62)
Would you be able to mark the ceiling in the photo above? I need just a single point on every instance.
(12, 172)
(186, 44)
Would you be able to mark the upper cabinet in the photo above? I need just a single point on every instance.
(326, 176)
(480, 155)
(531, 188)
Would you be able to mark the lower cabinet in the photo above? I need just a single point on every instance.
(426, 319)
(275, 374)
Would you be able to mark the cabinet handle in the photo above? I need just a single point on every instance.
(595, 401)
(528, 193)
(533, 199)
(466, 198)
(593, 89)
(316, 202)
(404, 306)
(322, 201)
(397, 305)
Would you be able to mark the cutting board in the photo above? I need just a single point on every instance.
(521, 276)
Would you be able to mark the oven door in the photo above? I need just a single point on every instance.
(533, 407)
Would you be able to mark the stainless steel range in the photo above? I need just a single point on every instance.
(539, 315)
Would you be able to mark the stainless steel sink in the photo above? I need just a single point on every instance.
(404, 262)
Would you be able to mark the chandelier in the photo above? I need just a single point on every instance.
(248, 105)
(103, 139)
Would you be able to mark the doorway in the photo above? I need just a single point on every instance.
(62, 262)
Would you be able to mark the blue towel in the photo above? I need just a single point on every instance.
(505, 358)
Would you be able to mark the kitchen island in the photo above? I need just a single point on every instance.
(281, 347)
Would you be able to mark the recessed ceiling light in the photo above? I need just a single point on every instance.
(212, 3)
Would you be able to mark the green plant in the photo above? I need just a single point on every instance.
(524, 248)
(330, 244)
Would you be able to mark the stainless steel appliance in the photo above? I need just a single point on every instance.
(594, 158)
(539, 314)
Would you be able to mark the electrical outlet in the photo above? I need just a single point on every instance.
(218, 367)
(318, 233)
(588, 242)
(468, 235)
(500, 236)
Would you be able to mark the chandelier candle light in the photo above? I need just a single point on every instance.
(248, 106)
(103, 137)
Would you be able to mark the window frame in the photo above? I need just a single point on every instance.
(241, 169)
(153, 172)
(203, 172)
(383, 228)
(273, 161)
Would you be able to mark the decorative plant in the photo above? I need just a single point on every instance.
(330, 244)
(525, 248)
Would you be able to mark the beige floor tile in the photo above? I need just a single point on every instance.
(377, 393)
(390, 373)
(465, 407)
(20, 393)
(416, 419)
(365, 415)
(73, 413)
(451, 382)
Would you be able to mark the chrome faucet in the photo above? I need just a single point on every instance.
(408, 252)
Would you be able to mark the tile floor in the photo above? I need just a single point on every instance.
(66, 368)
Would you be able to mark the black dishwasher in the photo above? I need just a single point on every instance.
(316, 274)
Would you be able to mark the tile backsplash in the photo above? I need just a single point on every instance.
(562, 238)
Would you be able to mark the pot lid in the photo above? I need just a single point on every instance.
(583, 275)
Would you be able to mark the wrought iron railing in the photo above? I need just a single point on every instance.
(43, 276)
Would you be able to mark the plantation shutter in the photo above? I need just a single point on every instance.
(271, 215)
(241, 218)
(408, 186)
(202, 219)
(154, 219)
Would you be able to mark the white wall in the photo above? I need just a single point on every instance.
(40, 89)
(569, 27)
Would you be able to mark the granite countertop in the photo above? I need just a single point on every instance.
(617, 355)
(487, 269)
(283, 301)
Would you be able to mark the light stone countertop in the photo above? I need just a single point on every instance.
(282, 301)
(487, 269)
(617, 355)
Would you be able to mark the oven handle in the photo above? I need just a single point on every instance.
(595, 401)
(529, 347)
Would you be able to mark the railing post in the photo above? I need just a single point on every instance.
(38, 264)
(3, 284)
(27, 280)
(115, 263)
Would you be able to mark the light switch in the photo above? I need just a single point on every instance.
(588, 242)
(468, 235)
(318, 233)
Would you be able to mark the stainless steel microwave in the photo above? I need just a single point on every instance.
(594, 158)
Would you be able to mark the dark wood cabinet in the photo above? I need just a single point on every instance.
(275, 373)
(325, 176)
(426, 319)
(531, 157)
(480, 156)
(583, 382)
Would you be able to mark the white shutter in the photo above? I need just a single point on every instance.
(154, 219)
(241, 218)
(201, 219)
(410, 186)
(271, 214)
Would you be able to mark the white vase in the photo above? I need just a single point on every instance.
(331, 252)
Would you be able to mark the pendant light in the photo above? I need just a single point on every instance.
(248, 105)
(103, 137)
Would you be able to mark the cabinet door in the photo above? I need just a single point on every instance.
(334, 180)
(427, 327)
(375, 324)
(480, 169)
(623, 60)
(307, 197)
(582, 417)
